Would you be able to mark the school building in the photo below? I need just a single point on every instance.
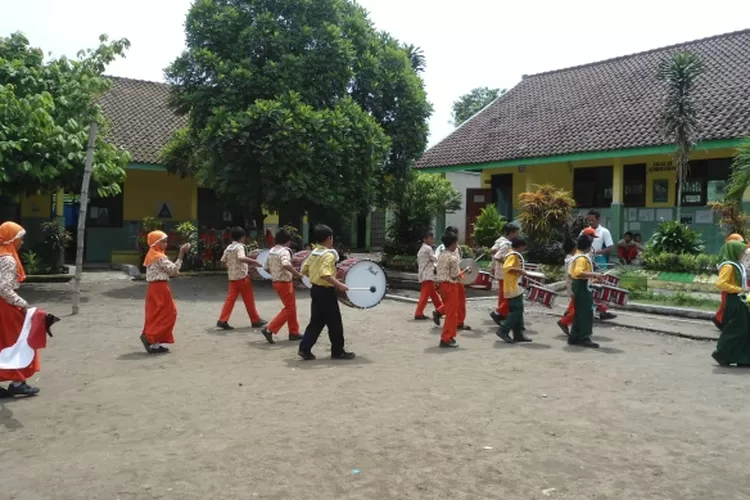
(142, 123)
(595, 130)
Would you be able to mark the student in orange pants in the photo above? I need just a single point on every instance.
(450, 230)
(426, 271)
(500, 250)
(569, 246)
(279, 266)
(449, 275)
(236, 260)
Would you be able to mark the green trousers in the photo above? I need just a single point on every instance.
(514, 321)
(734, 342)
(583, 320)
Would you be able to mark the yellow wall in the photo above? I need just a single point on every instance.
(37, 206)
(147, 191)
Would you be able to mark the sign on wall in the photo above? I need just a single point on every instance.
(164, 210)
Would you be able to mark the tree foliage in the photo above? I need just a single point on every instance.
(679, 73)
(739, 180)
(295, 103)
(46, 108)
(425, 196)
(472, 103)
(488, 227)
(546, 217)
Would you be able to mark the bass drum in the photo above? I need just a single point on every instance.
(369, 280)
(298, 260)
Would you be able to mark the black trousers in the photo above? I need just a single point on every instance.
(324, 312)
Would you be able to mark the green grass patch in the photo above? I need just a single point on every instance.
(679, 299)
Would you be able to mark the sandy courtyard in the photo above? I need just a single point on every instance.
(227, 416)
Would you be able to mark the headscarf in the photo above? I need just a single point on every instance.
(735, 237)
(733, 251)
(154, 253)
(9, 233)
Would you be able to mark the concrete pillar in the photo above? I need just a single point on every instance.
(618, 197)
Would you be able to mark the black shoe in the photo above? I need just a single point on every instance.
(520, 337)
(585, 343)
(504, 335)
(259, 323)
(295, 336)
(5, 394)
(463, 327)
(719, 361)
(307, 356)
(157, 350)
(268, 334)
(224, 325)
(716, 322)
(145, 343)
(453, 341)
(564, 328)
(22, 389)
(421, 318)
(448, 345)
(436, 317)
(606, 315)
(497, 317)
(523, 328)
(343, 355)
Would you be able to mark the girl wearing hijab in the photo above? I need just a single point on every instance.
(161, 312)
(733, 346)
(13, 315)
(719, 317)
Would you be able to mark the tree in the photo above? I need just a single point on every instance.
(546, 217)
(679, 73)
(295, 104)
(739, 180)
(416, 57)
(472, 103)
(425, 197)
(45, 112)
(488, 227)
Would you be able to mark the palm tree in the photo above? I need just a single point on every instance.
(416, 57)
(740, 178)
(679, 72)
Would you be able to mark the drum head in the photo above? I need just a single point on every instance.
(262, 257)
(470, 276)
(536, 274)
(366, 274)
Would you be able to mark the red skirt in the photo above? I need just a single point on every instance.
(11, 324)
(161, 314)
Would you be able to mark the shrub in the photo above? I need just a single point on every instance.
(50, 252)
(546, 217)
(488, 227)
(467, 252)
(733, 219)
(679, 263)
(32, 264)
(672, 237)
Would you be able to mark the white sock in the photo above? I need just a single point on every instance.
(16, 383)
(155, 346)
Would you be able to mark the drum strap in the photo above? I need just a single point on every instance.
(740, 268)
(523, 262)
(591, 263)
(320, 251)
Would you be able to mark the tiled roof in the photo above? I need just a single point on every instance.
(142, 122)
(608, 105)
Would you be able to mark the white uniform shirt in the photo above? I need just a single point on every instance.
(603, 239)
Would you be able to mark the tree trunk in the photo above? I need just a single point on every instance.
(82, 215)
(679, 193)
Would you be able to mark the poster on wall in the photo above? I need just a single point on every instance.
(632, 214)
(660, 191)
(704, 217)
(686, 220)
(634, 227)
(646, 215)
(663, 214)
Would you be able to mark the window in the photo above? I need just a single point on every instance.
(706, 181)
(592, 187)
(105, 212)
(634, 185)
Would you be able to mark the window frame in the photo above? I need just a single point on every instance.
(594, 172)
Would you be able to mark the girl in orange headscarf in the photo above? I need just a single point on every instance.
(161, 312)
(13, 309)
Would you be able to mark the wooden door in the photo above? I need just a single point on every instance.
(476, 200)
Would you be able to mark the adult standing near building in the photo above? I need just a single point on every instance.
(603, 243)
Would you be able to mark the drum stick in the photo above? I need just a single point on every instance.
(478, 258)
(372, 289)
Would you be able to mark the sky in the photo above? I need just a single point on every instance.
(467, 44)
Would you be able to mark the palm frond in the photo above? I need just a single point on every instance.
(739, 179)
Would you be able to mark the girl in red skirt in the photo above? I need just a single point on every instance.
(18, 366)
(161, 313)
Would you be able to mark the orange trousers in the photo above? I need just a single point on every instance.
(570, 314)
(161, 314)
(503, 308)
(11, 323)
(461, 303)
(288, 315)
(720, 312)
(451, 302)
(242, 288)
(428, 292)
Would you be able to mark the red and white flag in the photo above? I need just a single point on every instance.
(33, 336)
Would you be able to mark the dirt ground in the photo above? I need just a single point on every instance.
(227, 416)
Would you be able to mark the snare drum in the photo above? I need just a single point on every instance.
(484, 280)
(361, 274)
(527, 281)
(298, 260)
(541, 295)
(611, 280)
(258, 273)
(611, 294)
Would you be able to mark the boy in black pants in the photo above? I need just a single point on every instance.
(320, 267)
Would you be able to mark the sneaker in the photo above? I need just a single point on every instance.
(607, 315)
(5, 394)
(504, 335)
(497, 317)
(343, 355)
(22, 389)
(224, 325)
(421, 318)
(436, 317)
(448, 345)
(259, 323)
(145, 342)
(295, 336)
(307, 356)
(463, 327)
(564, 328)
(585, 343)
(520, 337)
(268, 334)
(157, 350)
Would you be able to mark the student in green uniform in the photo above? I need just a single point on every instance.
(581, 272)
(733, 346)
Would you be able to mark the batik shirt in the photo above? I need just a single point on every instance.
(426, 260)
(163, 269)
(447, 267)
(236, 269)
(278, 257)
(568, 280)
(9, 282)
(501, 248)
